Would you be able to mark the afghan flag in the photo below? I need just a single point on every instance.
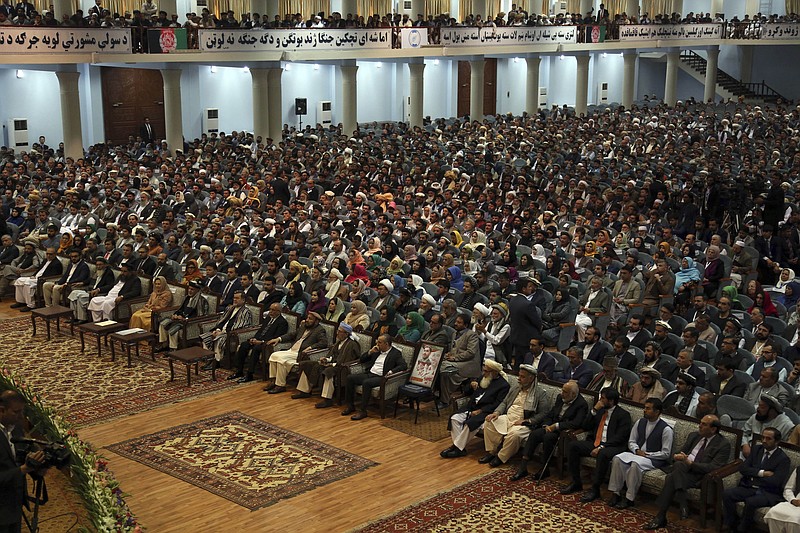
(166, 40)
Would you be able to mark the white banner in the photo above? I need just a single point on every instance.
(778, 31)
(296, 40)
(654, 32)
(20, 40)
(413, 37)
(507, 36)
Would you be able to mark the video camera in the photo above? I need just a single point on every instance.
(56, 454)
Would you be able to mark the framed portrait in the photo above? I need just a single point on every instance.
(426, 367)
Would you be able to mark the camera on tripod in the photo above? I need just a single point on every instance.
(56, 454)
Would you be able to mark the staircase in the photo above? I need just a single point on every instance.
(728, 86)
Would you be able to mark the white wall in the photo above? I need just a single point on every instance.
(301, 80)
(561, 90)
(91, 95)
(231, 91)
(606, 67)
(191, 103)
(512, 73)
(652, 77)
(35, 96)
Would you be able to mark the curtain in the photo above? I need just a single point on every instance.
(217, 7)
(464, 9)
(792, 6)
(436, 7)
(493, 7)
(574, 6)
(44, 5)
(615, 7)
(545, 8)
(304, 7)
(657, 7)
(118, 6)
(366, 8)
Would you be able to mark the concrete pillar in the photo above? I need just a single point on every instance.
(173, 114)
(349, 6)
(582, 85)
(628, 78)
(275, 104)
(710, 91)
(746, 63)
(272, 8)
(260, 101)
(171, 7)
(586, 6)
(532, 84)
(417, 82)
(631, 8)
(260, 7)
(476, 90)
(479, 7)
(716, 7)
(671, 82)
(71, 114)
(61, 8)
(417, 8)
(349, 99)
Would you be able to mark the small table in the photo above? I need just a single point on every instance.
(131, 340)
(48, 314)
(101, 332)
(415, 394)
(189, 356)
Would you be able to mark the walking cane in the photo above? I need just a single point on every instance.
(546, 463)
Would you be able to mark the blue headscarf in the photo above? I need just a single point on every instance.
(456, 282)
(686, 275)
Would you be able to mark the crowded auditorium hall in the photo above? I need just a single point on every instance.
(265, 261)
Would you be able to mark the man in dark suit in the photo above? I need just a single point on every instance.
(269, 294)
(333, 366)
(76, 275)
(12, 476)
(310, 335)
(212, 283)
(725, 380)
(699, 307)
(592, 348)
(525, 319)
(764, 473)
(636, 334)
(382, 360)
(685, 363)
(578, 371)
(26, 286)
(193, 305)
(163, 268)
(653, 359)
(487, 394)
(231, 285)
(568, 412)
(274, 326)
(543, 362)
(609, 427)
(250, 291)
(690, 337)
(146, 132)
(145, 263)
(704, 451)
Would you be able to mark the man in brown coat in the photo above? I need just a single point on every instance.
(309, 336)
(333, 367)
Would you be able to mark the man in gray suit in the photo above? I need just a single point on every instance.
(461, 363)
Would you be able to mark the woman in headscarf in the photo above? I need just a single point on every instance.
(395, 266)
(553, 266)
(333, 284)
(477, 237)
(761, 299)
(160, 298)
(192, 271)
(295, 299)
(316, 280)
(508, 259)
(374, 246)
(539, 253)
(468, 263)
(318, 303)
(525, 263)
(385, 324)
(455, 238)
(418, 267)
(733, 295)
(556, 312)
(590, 249)
(453, 275)
(357, 318)
(297, 273)
(412, 330)
(374, 263)
(686, 279)
(666, 249)
(334, 311)
(568, 268)
(409, 253)
(786, 277)
(790, 294)
(354, 257)
(359, 274)
(64, 244)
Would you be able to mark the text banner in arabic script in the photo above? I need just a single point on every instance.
(295, 40)
(509, 36)
(64, 41)
(655, 32)
(779, 31)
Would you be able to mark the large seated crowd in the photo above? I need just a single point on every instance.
(647, 254)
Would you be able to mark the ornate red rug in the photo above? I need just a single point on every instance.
(493, 503)
(242, 459)
(86, 389)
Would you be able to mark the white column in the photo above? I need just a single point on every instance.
(275, 104)
(349, 99)
(628, 78)
(260, 101)
(746, 63)
(671, 82)
(476, 90)
(70, 114)
(272, 9)
(586, 6)
(631, 8)
(582, 85)
(417, 82)
(61, 8)
(532, 84)
(710, 91)
(173, 114)
(260, 7)
(717, 7)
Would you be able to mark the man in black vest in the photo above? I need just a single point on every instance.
(650, 444)
(273, 327)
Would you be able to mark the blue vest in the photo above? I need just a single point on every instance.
(653, 443)
(758, 366)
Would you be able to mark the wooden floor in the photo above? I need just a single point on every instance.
(408, 470)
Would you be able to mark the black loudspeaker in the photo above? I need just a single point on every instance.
(300, 106)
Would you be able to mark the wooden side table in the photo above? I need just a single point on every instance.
(100, 332)
(193, 355)
(48, 314)
(131, 340)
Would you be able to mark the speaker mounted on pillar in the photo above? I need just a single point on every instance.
(300, 106)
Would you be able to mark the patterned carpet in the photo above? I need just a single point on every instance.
(242, 459)
(86, 389)
(494, 503)
(428, 427)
